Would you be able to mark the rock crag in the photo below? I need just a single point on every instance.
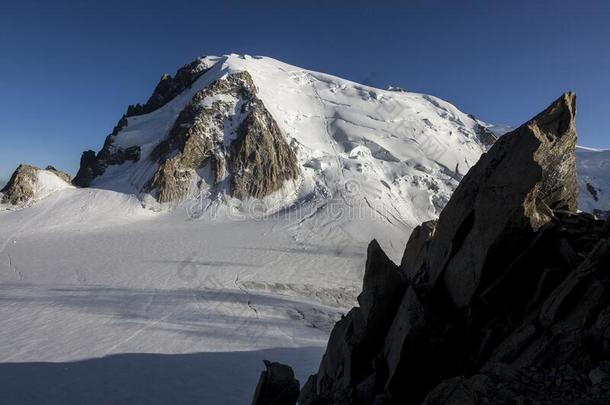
(227, 130)
(504, 299)
(27, 182)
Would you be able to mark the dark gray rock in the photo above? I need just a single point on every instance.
(503, 384)
(276, 386)
(509, 192)
(414, 258)
(89, 169)
(486, 137)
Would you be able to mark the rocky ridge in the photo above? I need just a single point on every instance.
(505, 298)
(28, 183)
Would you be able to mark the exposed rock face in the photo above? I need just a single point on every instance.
(509, 278)
(276, 386)
(486, 137)
(20, 188)
(225, 131)
(257, 161)
(261, 160)
(23, 184)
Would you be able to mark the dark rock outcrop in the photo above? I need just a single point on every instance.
(276, 386)
(93, 165)
(503, 384)
(89, 169)
(486, 137)
(509, 289)
(356, 337)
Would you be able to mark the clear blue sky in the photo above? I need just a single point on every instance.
(68, 70)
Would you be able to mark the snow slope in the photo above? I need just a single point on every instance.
(89, 273)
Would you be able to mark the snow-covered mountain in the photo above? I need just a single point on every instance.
(593, 166)
(238, 133)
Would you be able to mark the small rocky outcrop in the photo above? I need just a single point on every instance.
(505, 298)
(22, 186)
(62, 175)
(486, 137)
(276, 386)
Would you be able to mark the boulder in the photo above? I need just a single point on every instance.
(276, 386)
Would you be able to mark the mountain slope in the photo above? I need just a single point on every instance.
(593, 167)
